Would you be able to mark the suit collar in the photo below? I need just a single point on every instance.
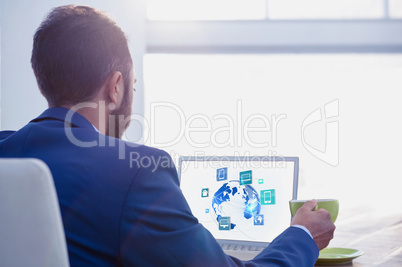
(66, 115)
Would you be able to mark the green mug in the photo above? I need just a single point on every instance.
(331, 205)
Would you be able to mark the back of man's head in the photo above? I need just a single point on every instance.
(75, 49)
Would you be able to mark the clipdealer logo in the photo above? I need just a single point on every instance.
(329, 114)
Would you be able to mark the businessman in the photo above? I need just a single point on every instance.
(116, 211)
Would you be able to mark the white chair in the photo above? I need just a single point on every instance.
(31, 230)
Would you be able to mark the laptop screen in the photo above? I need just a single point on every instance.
(242, 199)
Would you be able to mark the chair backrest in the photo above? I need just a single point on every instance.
(31, 229)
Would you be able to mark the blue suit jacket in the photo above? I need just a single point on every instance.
(121, 203)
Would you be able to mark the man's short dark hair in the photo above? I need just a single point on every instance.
(74, 50)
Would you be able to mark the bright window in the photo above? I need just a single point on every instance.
(325, 9)
(271, 9)
(200, 94)
(206, 9)
(395, 8)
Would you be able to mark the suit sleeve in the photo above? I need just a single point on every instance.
(158, 228)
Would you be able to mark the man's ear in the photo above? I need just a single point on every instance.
(114, 88)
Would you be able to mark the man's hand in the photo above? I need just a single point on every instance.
(317, 222)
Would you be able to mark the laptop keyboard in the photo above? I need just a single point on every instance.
(229, 247)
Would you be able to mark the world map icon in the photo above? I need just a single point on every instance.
(239, 202)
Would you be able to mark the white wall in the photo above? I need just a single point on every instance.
(21, 100)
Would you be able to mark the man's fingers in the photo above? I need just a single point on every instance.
(324, 213)
(317, 222)
(310, 205)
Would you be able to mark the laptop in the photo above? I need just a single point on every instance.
(242, 201)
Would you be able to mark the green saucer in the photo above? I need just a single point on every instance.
(337, 256)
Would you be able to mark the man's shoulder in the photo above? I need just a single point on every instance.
(135, 150)
(143, 156)
(146, 150)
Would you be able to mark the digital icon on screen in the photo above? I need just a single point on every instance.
(205, 192)
(260, 181)
(206, 210)
(245, 177)
(267, 197)
(259, 219)
(221, 174)
(224, 223)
